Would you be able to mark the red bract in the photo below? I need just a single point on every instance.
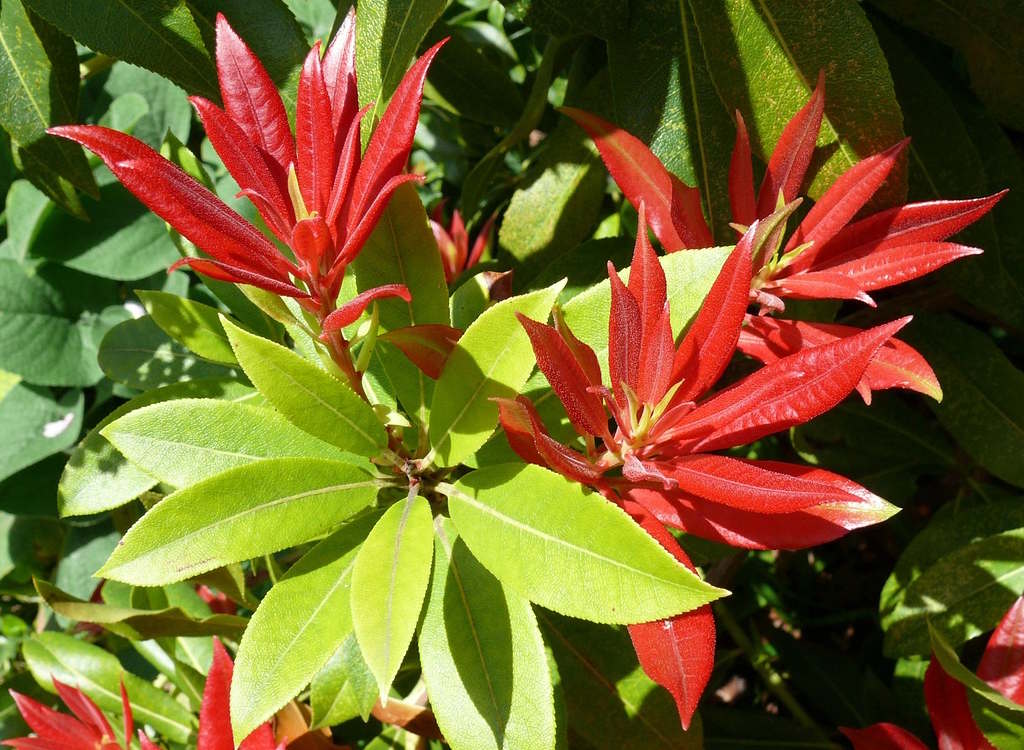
(1002, 667)
(659, 461)
(453, 242)
(315, 191)
(89, 729)
(827, 257)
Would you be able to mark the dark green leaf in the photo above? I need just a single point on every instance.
(345, 688)
(984, 404)
(160, 35)
(39, 77)
(603, 18)
(36, 423)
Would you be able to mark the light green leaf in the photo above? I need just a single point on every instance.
(388, 32)
(611, 703)
(962, 595)
(140, 355)
(389, 581)
(184, 441)
(306, 395)
(483, 657)
(984, 404)
(98, 478)
(402, 250)
(98, 674)
(245, 512)
(160, 35)
(301, 621)
(122, 240)
(764, 58)
(345, 688)
(39, 76)
(190, 323)
(569, 549)
(493, 358)
(36, 425)
(139, 624)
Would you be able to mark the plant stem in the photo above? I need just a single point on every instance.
(772, 679)
(338, 348)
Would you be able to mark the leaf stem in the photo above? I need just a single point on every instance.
(772, 679)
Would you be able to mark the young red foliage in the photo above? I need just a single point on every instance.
(453, 242)
(89, 729)
(827, 257)
(314, 191)
(658, 460)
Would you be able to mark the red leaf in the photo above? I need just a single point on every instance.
(126, 713)
(792, 153)
(214, 713)
(949, 711)
(818, 285)
(246, 164)
(514, 416)
(348, 163)
(199, 215)
(359, 234)
(739, 528)
(882, 737)
(786, 393)
(585, 356)
(61, 730)
(391, 142)
(483, 241)
(931, 221)
(895, 365)
(1002, 664)
(555, 359)
(314, 136)
(310, 242)
(625, 334)
(146, 743)
(251, 98)
(646, 276)
(749, 485)
(677, 653)
(673, 207)
(842, 201)
(427, 346)
(708, 346)
(349, 312)
(741, 177)
(82, 706)
(339, 66)
(236, 275)
(657, 352)
(890, 266)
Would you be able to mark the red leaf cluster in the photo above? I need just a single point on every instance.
(830, 255)
(89, 729)
(453, 242)
(318, 195)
